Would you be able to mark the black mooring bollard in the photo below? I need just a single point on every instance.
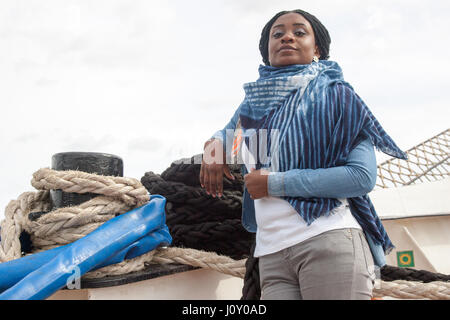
(90, 162)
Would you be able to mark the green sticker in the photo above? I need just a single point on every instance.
(405, 259)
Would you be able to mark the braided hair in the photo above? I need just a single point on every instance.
(321, 35)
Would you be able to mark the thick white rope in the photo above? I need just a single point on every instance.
(402, 289)
(192, 257)
(118, 195)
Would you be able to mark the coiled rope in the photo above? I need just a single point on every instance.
(191, 214)
(390, 273)
(402, 289)
(117, 195)
(195, 220)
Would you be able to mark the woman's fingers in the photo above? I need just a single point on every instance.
(219, 183)
(212, 169)
(227, 172)
(207, 181)
(211, 178)
(212, 182)
(202, 174)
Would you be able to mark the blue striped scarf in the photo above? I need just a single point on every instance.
(320, 120)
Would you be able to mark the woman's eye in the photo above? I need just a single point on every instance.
(277, 34)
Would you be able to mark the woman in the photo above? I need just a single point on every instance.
(317, 233)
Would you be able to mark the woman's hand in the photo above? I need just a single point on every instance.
(257, 183)
(213, 168)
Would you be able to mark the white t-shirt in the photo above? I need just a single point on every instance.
(279, 225)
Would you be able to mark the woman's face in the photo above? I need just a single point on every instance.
(291, 41)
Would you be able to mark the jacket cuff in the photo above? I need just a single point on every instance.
(218, 135)
(275, 184)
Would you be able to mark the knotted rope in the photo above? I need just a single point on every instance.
(390, 273)
(189, 204)
(252, 287)
(196, 219)
(63, 226)
(402, 289)
(117, 195)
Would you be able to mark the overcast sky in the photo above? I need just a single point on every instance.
(150, 81)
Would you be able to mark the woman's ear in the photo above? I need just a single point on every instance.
(317, 51)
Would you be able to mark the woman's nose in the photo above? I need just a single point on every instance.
(287, 37)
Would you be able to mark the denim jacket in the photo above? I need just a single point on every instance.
(249, 222)
(355, 178)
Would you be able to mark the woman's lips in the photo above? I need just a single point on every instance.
(287, 48)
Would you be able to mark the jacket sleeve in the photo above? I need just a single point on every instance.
(356, 178)
(228, 130)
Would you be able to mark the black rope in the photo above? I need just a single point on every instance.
(199, 221)
(194, 218)
(251, 289)
(187, 172)
(227, 229)
(390, 273)
(187, 214)
(180, 193)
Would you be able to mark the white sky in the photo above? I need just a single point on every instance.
(150, 81)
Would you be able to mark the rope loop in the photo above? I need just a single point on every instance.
(206, 231)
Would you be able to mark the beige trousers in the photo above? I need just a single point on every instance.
(334, 265)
